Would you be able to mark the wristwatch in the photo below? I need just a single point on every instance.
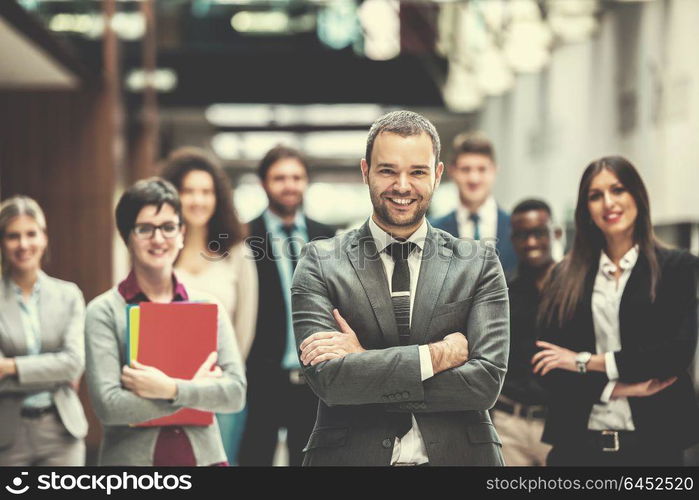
(581, 360)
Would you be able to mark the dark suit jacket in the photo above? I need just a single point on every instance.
(461, 288)
(657, 341)
(507, 255)
(269, 344)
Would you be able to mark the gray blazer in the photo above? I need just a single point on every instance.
(61, 361)
(461, 288)
(118, 408)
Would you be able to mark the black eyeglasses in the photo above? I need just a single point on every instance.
(146, 231)
(538, 233)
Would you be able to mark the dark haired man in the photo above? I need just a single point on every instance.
(478, 216)
(278, 396)
(521, 408)
(382, 315)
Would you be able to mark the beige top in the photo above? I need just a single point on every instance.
(233, 281)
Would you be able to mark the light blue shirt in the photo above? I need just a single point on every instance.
(29, 313)
(282, 255)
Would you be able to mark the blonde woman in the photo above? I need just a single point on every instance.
(41, 348)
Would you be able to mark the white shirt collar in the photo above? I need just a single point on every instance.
(486, 210)
(608, 267)
(382, 239)
(274, 219)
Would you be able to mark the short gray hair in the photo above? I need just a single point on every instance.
(404, 123)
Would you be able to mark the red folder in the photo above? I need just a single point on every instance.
(176, 338)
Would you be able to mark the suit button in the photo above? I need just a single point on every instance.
(391, 397)
(384, 397)
(386, 443)
(406, 395)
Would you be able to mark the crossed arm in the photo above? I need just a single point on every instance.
(642, 370)
(342, 372)
(48, 370)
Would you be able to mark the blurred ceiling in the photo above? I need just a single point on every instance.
(248, 51)
(30, 57)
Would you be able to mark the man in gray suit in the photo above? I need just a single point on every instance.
(402, 329)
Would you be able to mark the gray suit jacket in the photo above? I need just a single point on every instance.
(461, 288)
(61, 361)
(118, 408)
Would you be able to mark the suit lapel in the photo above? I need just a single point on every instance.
(635, 296)
(313, 230)
(46, 303)
(452, 225)
(10, 313)
(589, 340)
(436, 257)
(366, 261)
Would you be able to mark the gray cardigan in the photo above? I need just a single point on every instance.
(117, 408)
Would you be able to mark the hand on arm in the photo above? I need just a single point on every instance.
(552, 356)
(7, 367)
(641, 389)
(208, 368)
(323, 346)
(449, 353)
(148, 382)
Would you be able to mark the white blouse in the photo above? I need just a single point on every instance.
(613, 414)
(233, 281)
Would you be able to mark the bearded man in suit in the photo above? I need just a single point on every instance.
(402, 329)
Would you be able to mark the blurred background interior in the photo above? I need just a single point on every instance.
(94, 92)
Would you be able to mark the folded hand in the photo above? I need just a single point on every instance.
(323, 346)
(148, 382)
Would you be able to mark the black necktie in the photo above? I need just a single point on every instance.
(475, 218)
(291, 245)
(400, 296)
(400, 287)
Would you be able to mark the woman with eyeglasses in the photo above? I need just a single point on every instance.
(618, 329)
(41, 348)
(149, 220)
(215, 258)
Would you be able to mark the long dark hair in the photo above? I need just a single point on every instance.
(224, 227)
(566, 286)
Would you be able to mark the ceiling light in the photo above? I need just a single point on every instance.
(462, 94)
(381, 23)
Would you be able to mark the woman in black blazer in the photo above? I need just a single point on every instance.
(618, 329)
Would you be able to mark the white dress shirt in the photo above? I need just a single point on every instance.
(411, 447)
(613, 414)
(487, 224)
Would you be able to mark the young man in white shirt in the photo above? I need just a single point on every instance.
(473, 169)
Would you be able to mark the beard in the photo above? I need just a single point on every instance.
(383, 212)
(283, 209)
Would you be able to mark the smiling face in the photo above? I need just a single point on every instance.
(23, 244)
(198, 198)
(156, 254)
(285, 183)
(401, 180)
(474, 174)
(531, 238)
(612, 207)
